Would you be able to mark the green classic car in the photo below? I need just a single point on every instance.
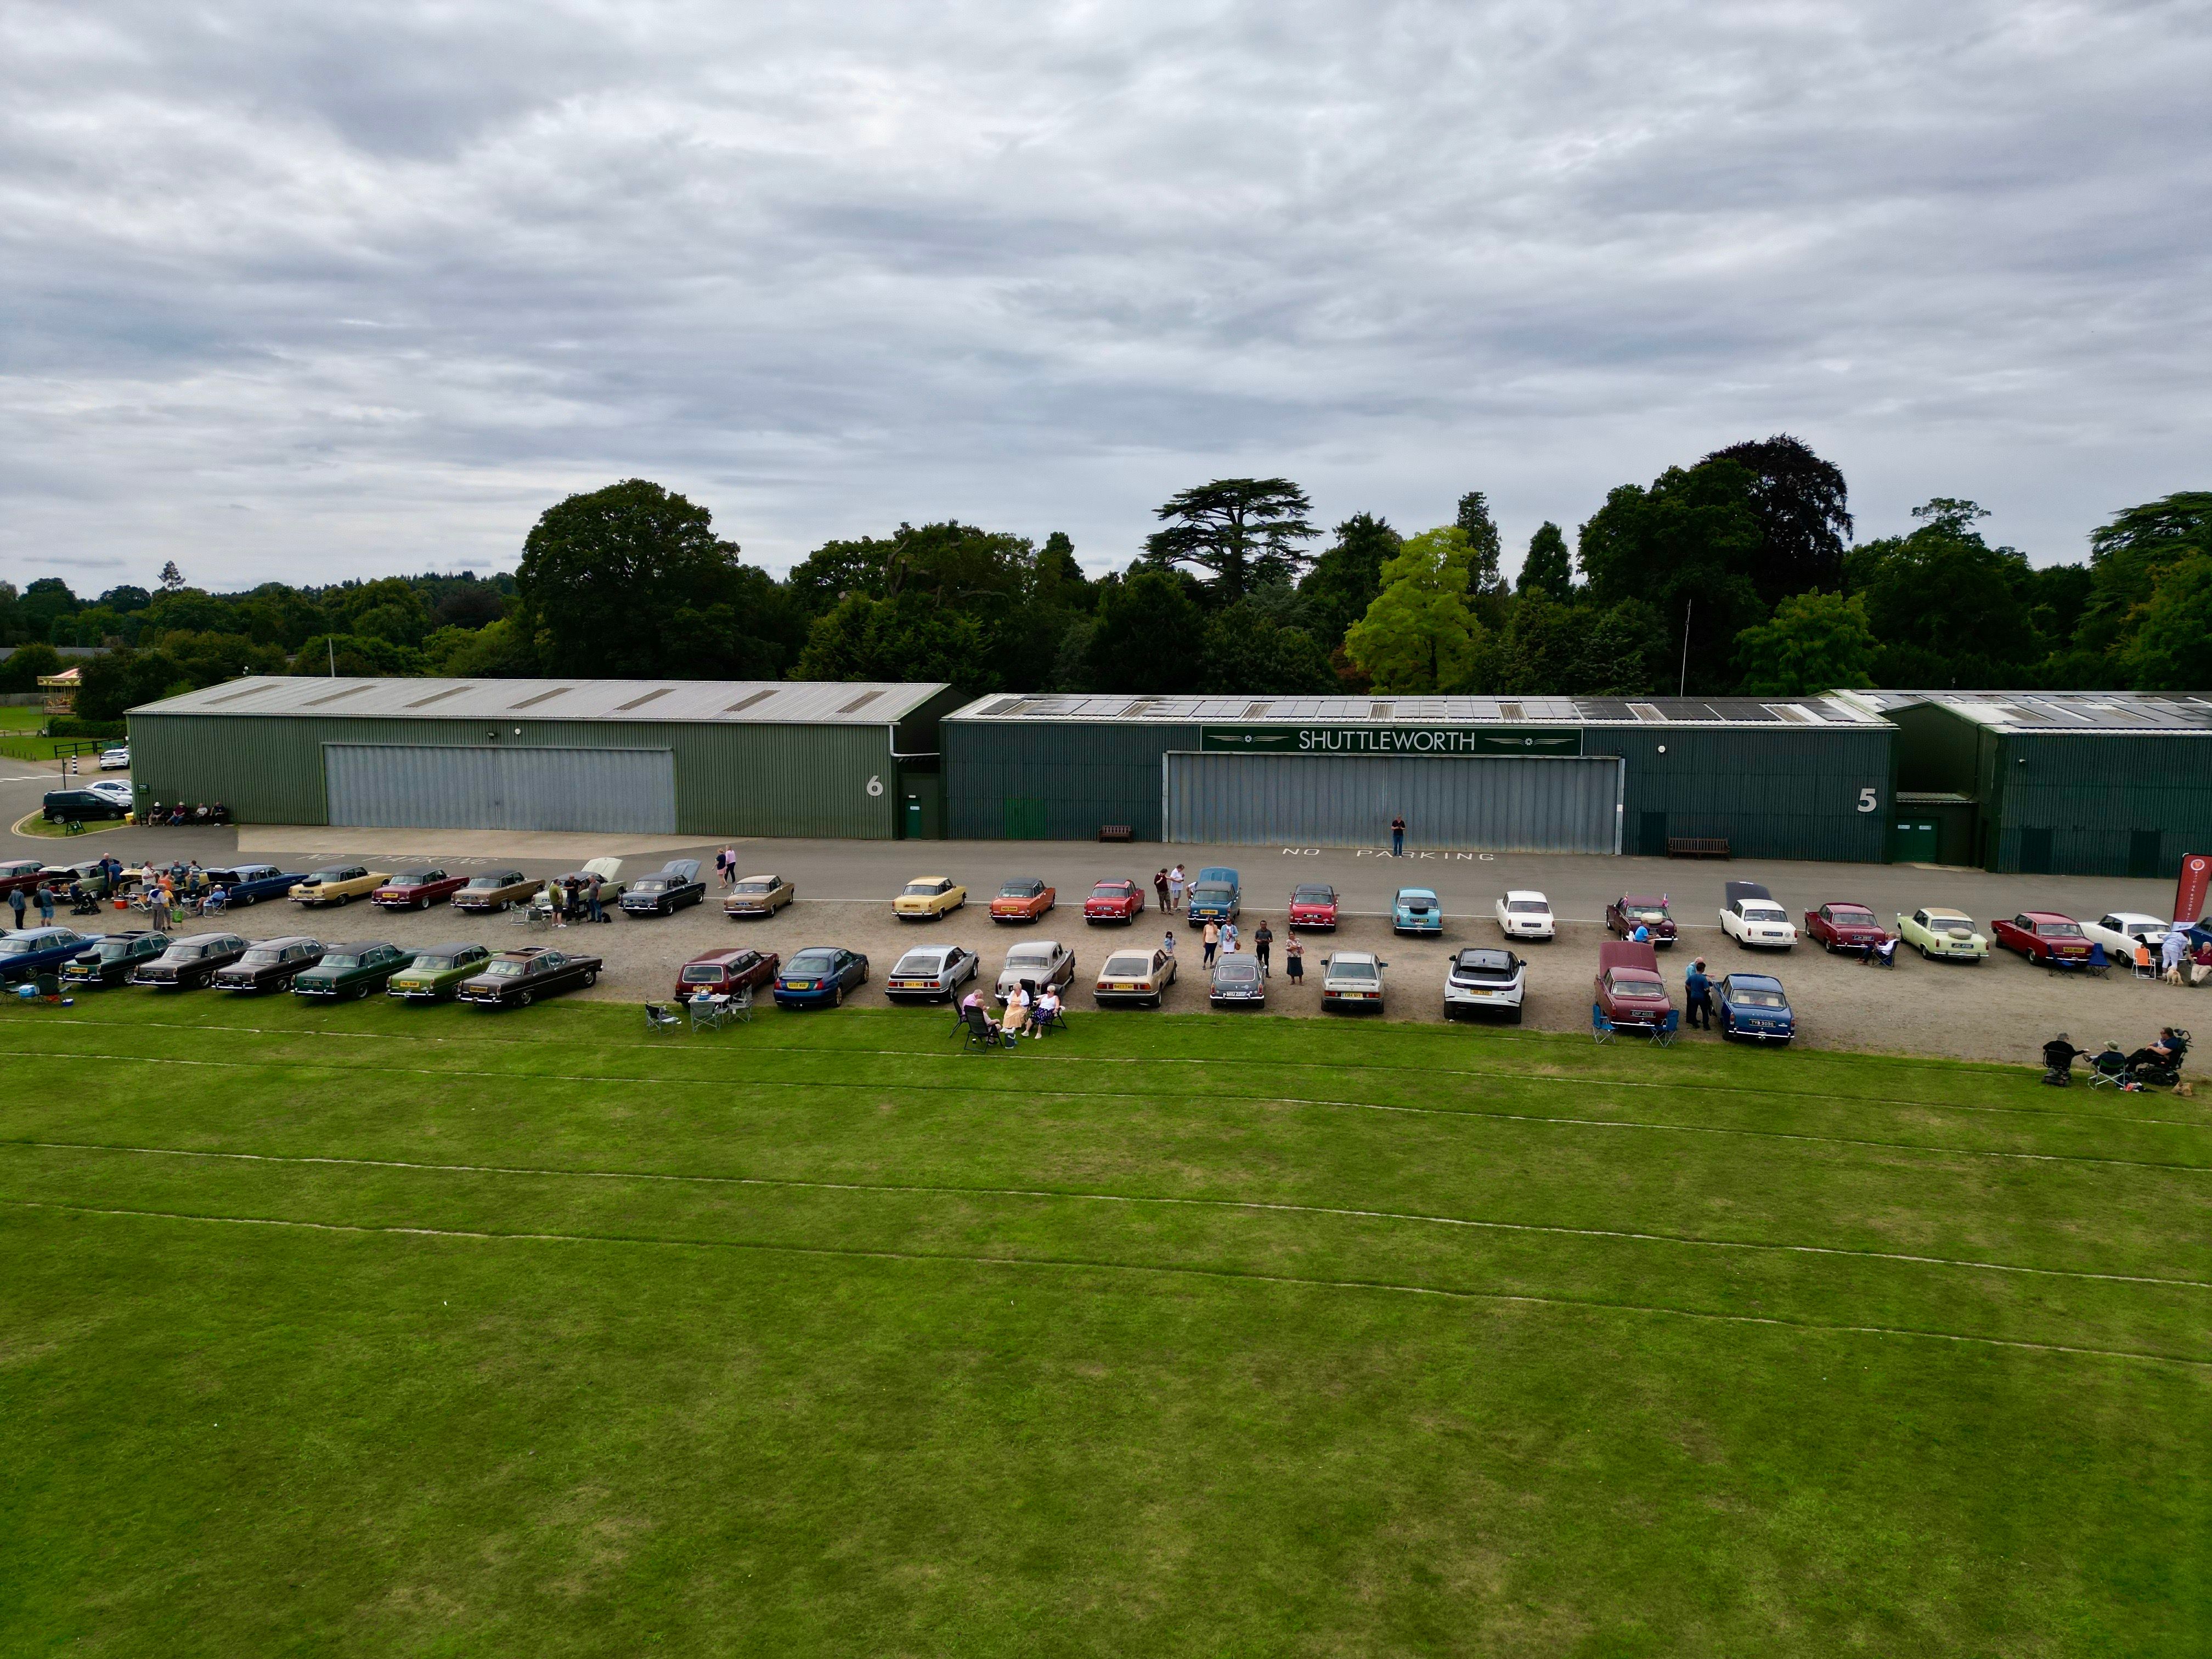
(1938, 931)
(436, 970)
(352, 970)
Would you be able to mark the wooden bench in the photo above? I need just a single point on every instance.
(1116, 832)
(1696, 846)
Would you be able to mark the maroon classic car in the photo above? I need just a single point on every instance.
(720, 973)
(1628, 988)
(416, 889)
(2043, 936)
(1840, 926)
(1624, 913)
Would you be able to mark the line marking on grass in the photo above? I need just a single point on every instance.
(1230, 1275)
(599, 1078)
(1079, 1195)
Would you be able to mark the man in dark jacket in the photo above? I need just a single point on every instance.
(2058, 1062)
(1699, 988)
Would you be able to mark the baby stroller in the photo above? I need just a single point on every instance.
(82, 904)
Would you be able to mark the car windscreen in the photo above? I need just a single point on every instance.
(923, 889)
(1237, 968)
(921, 962)
(416, 877)
(1485, 964)
(653, 883)
(702, 972)
(1634, 981)
(114, 949)
(2058, 929)
(1526, 907)
(813, 962)
(1111, 890)
(1757, 912)
(492, 971)
(1314, 895)
(428, 963)
(16, 947)
(1857, 915)
(1211, 895)
(261, 956)
(1034, 956)
(1950, 923)
(1647, 911)
(341, 960)
(1752, 997)
(755, 887)
(1127, 967)
(1351, 970)
(1021, 890)
(488, 881)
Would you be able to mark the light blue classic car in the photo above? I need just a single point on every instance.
(1417, 910)
(1755, 1006)
(1218, 895)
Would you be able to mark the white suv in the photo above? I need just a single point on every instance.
(1526, 915)
(1753, 920)
(1485, 980)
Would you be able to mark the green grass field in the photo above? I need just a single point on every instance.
(365, 1331)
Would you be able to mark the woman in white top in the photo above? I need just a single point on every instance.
(1047, 1009)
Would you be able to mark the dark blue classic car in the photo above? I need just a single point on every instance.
(248, 883)
(1753, 1007)
(42, 950)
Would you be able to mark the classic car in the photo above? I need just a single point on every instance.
(722, 972)
(1626, 914)
(189, 964)
(1839, 927)
(1115, 900)
(416, 889)
(114, 961)
(931, 973)
(2121, 931)
(271, 964)
(759, 896)
(1483, 980)
(1216, 895)
(666, 890)
(437, 972)
(1313, 906)
(27, 874)
(91, 875)
(1237, 981)
(339, 884)
(1417, 910)
(494, 890)
(1523, 913)
(818, 975)
(38, 951)
(2043, 936)
(1024, 898)
(352, 970)
(250, 884)
(1352, 978)
(515, 979)
(1934, 931)
(77, 805)
(1139, 976)
(1628, 989)
(927, 897)
(115, 760)
(1042, 961)
(1750, 916)
(608, 870)
(1754, 1005)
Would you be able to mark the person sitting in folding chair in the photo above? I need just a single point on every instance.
(1048, 1015)
(2109, 1069)
(2058, 1062)
(981, 1030)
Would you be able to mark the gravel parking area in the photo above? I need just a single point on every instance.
(2003, 1010)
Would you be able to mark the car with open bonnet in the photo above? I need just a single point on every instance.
(1025, 899)
(819, 976)
(515, 979)
(1523, 913)
(666, 890)
(1313, 907)
(272, 965)
(114, 959)
(2044, 936)
(438, 972)
(418, 890)
(1138, 977)
(759, 896)
(189, 964)
(1417, 910)
(340, 884)
(931, 973)
(1840, 925)
(1628, 990)
(1750, 916)
(927, 897)
(1649, 911)
(1114, 899)
(1218, 895)
(1483, 980)
(1351, 980)
(608, 870)
(1936, 931)
(353, 970)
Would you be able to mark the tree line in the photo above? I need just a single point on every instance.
(1737, 574)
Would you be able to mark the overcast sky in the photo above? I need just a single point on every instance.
(307, 291)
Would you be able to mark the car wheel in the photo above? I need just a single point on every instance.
(837, 997)
(523, 998)
(1514, 1019)
(282, 985)
(249, 898)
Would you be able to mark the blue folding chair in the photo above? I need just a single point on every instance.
(1601, 1027)
(1663, 1033)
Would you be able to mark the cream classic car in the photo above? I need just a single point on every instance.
(927, 897)
(1934, 931)
(339, 884)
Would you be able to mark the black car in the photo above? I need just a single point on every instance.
(1237, 981)
(674, 886)
(76, 805)
(119, 956)
(191, 963)
(515, 979)
(269, 965)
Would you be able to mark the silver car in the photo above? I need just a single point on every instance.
(1042, 961)
(1352, 978)
(934, 973)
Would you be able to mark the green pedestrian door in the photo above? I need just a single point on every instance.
(1914, 842)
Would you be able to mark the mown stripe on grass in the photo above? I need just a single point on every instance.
(1083, 1195)
(1066, 1263)
(1215, 1096)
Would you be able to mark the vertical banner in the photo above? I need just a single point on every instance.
(2189, 892)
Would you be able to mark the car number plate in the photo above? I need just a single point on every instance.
(1125, 985)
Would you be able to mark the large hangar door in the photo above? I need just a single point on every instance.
(454, 786)
(1504, 803)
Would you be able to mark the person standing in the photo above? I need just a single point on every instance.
(15, 901)
(1263, 942)
(1211, 938)
(1175, 890)
(1160, 886)
(1398, 837)
(1228, 936)
(1167, 945)
(45, 906)
(1294, 959)
(596, 913)
(1701, 990)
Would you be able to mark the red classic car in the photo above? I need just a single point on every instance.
(1313, 904)
(2043, 936)
(416, 889)
(1623, 915)
(719, 973)
(1022, 899)
(1628, 990)
(26, 873)
(1839, 927)
(1114, 900)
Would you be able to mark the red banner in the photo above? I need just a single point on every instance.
(2189, 892)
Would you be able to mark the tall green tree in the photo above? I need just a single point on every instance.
(1150, 635)
(1347, 576)
(1250, 651)
(2128, 556)
(1946, 606)
(1687, 547)
(1241, 531)
(1804, 509)
(906, 637)
(1420, 635)
(1547, 567)
(1482, 544)
(1814, 642)
(2168, 652)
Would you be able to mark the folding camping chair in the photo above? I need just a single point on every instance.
(1662, 1033)
(981, 1035)
(2108, 1070)
(658, 1022)
(1601, 1027)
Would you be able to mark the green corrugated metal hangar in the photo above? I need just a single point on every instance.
(667, 757)
(1802, 779)
(2079, 783)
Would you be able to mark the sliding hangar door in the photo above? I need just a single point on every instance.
(1485, 803)
(399, 786)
